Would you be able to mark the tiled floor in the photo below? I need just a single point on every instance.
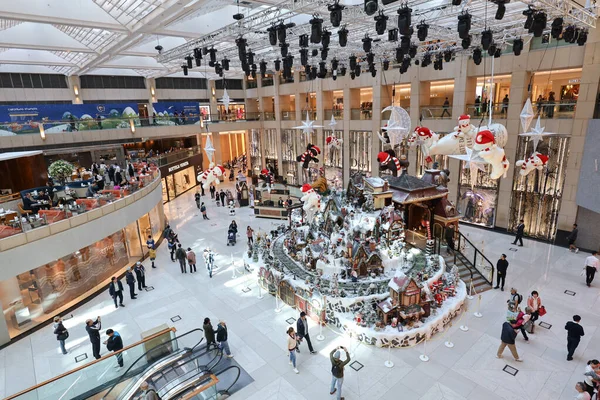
(469, 370)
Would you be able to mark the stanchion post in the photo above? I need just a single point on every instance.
(233, 267)
(470, 295)
(477, 313)
(277, 308)
(464, 328)
(424, 357)
(389, 363)
(260, 296)
(320, 336)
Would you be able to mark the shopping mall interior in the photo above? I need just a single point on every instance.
(299, 199)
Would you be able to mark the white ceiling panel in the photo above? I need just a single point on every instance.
(30, 33)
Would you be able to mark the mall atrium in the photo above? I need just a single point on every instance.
(191, 190)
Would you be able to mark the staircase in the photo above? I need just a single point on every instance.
(480, 284)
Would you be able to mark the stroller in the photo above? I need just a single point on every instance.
(231, 238)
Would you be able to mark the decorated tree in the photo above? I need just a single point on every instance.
(369, 314)
(60, 170)
(333, 285)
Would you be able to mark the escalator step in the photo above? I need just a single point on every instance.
(160, 382)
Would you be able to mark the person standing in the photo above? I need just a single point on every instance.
(337, 370)
(114, 344)
(582, 393)
(520, 232)
(148, 393)
(449, 235)
(292, 346)
(130, 280)
(115, 289)
(572, 238)
(212, 191)
(222, 338)
(505, 104)
(250, 235)
(181, 257)
(172, 244)
(501, 267)
(574, 334)
(592, 263)
(61, 333)
(222, 197)
(209, 260)
(534, 302)
(478, 106)
(191, 258)
(130, 171)
(209, 333)
(203, 211)
(93, 330)
(111, 173)
(152, 255)
(514, 300)
(150, 242)
(302, 331)
(507, 338)
(140, 274)
(445, 108)
(197, 199)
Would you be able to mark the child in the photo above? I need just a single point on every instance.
(152, 252)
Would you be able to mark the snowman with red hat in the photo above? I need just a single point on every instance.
(211, 175)
(333, 142)
(311, 200)
(535, 161)
(426, 138)
(457, 142)
(305, 158)
(268, 178)
(490, 152)
(464, 129)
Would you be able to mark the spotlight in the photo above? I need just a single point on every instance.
(352, 62)
(247, 72)
(498, 52)
(324, 53)
(335, 13)
(158, 48)
(371, 7)
(281, 32)
(569, 34)
(373, 72)
(405, 64)
(426, 60)
(412, 52)
(422, 30)
(313, 72)
(334, 63)
(529, 21)
(307, 70)
(357, 70)
(491, 49)
(448, 55)
(380, 23)
(250, 58)
(316, 28)
(288, 62)
(405, 43)
(539, 23)
(303, 40)
(334, 75)
(198, 56)
(352, 75)
(185, 69)
(386, 65)
(314, 53)
(517, 46)
(322, 70)
(370, 58)
(464, 25)
(456, 2)
(284, 49)
(399, 54)
(487, 37)
(557, 27)
(477, 56)
(393, 35)
(466, 42)
(253, 74)
(367, 41)
(582, 38)
(343, 36)
(263, 68)
(218, 69)
(241, 45)
(325, 38)
(438, 64)
(343, 71)
(225, 64)
(576, 36)
(198, 61)
(277, 64)
(272, 31)
(501, 10)
(238, 16)
(189, 59)
(205, 50)
(404, 17)
(213, 54)
(304, 56)
(417, 62)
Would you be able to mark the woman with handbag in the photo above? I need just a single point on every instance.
(292, 344)
(534, 302)
(61, 333)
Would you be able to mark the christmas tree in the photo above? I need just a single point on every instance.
(333, 285)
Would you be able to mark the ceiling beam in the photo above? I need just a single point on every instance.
(45, 19)
(42, 63)
(44, 47)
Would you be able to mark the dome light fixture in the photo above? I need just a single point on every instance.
(422, 31)
(466, 42)
(487, 37)
(517, 46)
(464, 24)
(404, 20)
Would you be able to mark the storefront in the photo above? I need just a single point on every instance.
(180, 177)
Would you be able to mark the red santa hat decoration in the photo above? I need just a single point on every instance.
(485, 138)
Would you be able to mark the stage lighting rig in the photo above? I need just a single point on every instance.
(464, 24)
(370, 58)
(582, 38)
(263, 67)
(284, 49)
(367, 41)
(477, 56)
(491, 49)
(313, 72)
(324, 53)
(405, 43)
(438, 64)
(304, 56)
(325, 38)
(393, 35)
(426, 60)
(225, 64)
(352, 75)
(448, 54)
(303, 40)
(501, 8)
(307, 70)
(357, 70)
(422, 31)
(272, 31)
(281, 32)
(404, 19)
(343, 36)
(371, 7)
(386, 65)
(335, 13)
(381, 23)
(373, 72)
(399, 54)
(185, 69)
(343, 71)
(322, 70)
(466, 42)
(487, 37)
(213, 54)
(250, 57)
(334, 63)
(277, 63)
(517, 46)
(412, 51)
(188, 60)
(539, 23)
(352, 62)
(557, 27)
(198, 56)
(241, 45)
(498, 52)
(529, 21)
(569, 34)
(316, 28)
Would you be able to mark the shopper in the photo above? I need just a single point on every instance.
(302, 329)
(203, 211)
(514, 300)
(446, 108)
(130, 280)
(522, 322)
(449, 236)
(209, 333)
(172, 244)
(222, 197)
(61, 333)
(115, 289)
(181, 257)
(209, 260)
(212, 191)
(150, 242)
(152, 255)
(140, 274)
(250, 235)
(572, 238)
(147, 392)
(534, 302)
(501, 267)
(507, 338)
(582, 394)
(574, 334)
(592, 263)
(337, 370)
(222, 338)
(93, 330)
(292, 345)
(591, 377)
(505, 104)
(197, 199)
(191, 258)
(520, 232)
(114, 344)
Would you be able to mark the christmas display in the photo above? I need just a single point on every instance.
(211, 175)
(490, 152)
(535, 161)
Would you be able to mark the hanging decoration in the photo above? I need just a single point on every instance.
(425, 138)
(225, 99)
(456, 143)
(305, 158)
(333, 142)
(398, 125)
(333, 122)
(535, 161)
(526, 115)
(308, 126)
(537, 133)
(388, 161)
(268, 177)
(491, 153)
(209, 149)
(385, 140)
(464, 129)
(311, 200)
(211, 175)
(471, 161)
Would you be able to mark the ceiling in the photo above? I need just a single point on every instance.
(118, 37)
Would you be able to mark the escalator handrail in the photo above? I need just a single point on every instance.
(151, 350)
(239, 372)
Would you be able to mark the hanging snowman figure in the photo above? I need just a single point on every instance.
(334, 145)
(465, 129)
(535, 161)
(211, 175)
(305, 158)
(457, 142)
(490, 152)
(426, 138)
(231, 208)
(311, 200)
(268, 178)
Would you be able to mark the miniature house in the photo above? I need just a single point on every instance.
(366, 261)
(379, 189)
(404, 301)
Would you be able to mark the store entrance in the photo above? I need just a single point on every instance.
(143, 113)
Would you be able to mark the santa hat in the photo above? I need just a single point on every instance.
(464, 117)
(544, 158)
(328, 139)
(264, 171)
(315, 148)
(423, 131)
(306, 187)
(383, 157)
(485, 137)
(221, 168)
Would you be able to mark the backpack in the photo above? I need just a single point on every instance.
(520, 298)
(155, 393)
(336, 370)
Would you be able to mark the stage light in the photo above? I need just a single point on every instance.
(343, 36)
(373, 72)
(316, 28)
(343, 71)
(250, 58)
(281, 32)
(380, 23)
(263, 68)
(393, 35)
(426, 60)
(303, 40)
(313, 72)
(466, 42)
(517, 46)
(405, 65)
(218, 69)
(185, 69)
(325, 38)
(582, 38)
(335, 13)
(304, 56)
(569, 34)
(284, 49)
(247, 72)
(412, 51)
(371, 7)
(272, 31)
(189, 59)
(491, 49)
(277, 64)
(477, 56)
(399, 54)
(367, 41)
(225, 64)
(370, 58)
(386, 65)
(307, 71)
(422, 30)
(529, 21)
(241, 45)
(322, 70)
(324, 53)
(205, 50)
(498, 52)
(539, 23)
(334, 75)
(464, 25)
(352, 62)
(357, 70)
(487, 37)
(557, 27)
(198, 57)
(501, 10)
(448, 55)
(404, 20)
(456, 2)
(352, 75)
(253, 74)
(213, 54)
(334, 63)
(405, 43)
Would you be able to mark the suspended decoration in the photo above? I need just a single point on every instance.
(535, 161)
(209, 149)
(333, 142)
(472, 162)
(491, 153)
(225, 99)
(268, 177)
(305, 158)
(425, 138)
(333, 122)
(537, 133)
(398, 125)
(526, 115)
(388, 161)
(211, 176)
(308, 126)
(311, 201)
(457, 142)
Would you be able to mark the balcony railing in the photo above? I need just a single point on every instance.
(555, 110)
(498, 110)
(288, 115)
(251, 84)
(267, 82)
(269, 116)
(174, 156)
(360, 114)
(436, 112)
(337, 114)
(283, 81)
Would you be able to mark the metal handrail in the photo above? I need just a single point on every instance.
(474, 262)
(438, 246)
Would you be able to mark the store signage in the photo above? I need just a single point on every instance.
(179, 166)
(574, 80)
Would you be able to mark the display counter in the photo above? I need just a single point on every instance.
(270, 212)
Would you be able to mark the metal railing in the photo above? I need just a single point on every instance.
(337, 114)
(436, 112)
(357, 114)
(251, 84)
(477, 259)
(288, 115)
(483, 110)
(269, 116)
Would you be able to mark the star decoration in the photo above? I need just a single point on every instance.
(398, 125)
(225, 99)
(526, 115)
(209, 149)
(307, 126)
(472, 161)
(537, 133)
(333, 122)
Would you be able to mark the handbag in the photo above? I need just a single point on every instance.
(542, 311)
(63, 335)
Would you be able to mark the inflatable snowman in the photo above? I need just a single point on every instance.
(464, 129)
(491, 153)
(426, 139)
(536, 161)
(211, 175)
(311, 200)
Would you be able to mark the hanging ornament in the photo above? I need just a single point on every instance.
(457, 142)
(225, 99)
(311, 200)
(333, 143)
(388, 161)
(307, 126)
(398, 126)
(425, 138)
(465, 129)
(211, 175)
(309, 155)
(209, 150)
(471, 161)
(333, 122)
(535, 161)
(526, 115)
(491, 153)
(537, 133)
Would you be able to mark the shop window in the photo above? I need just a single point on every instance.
(134, 243)
(477, 203)
(289, 149)
(255, 151)
(334, 160)
(360, 151)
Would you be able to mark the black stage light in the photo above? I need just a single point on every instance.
(357, 70)
(438, 64)
(371, 7)
(281, 32)
(284, 49)
(316, 28)
(225, 64)
(380, 23)
(253, 66)
(211, 63)
(464, 25)
(367, 41)
(501, 10)
(412, 51)
(303, 40)
(569, 34)
(253, 74)
(288, 62)
(517, 46)
(352, 75)
(238, 16)
(218, 69)
(263, 67)
(205, 51)
(393, 35)
(456, 2)
(307, 70)
(539, 23)
(370, 58)
(314, 53)
(343, 71)
(545, 38)
(352, 62)
(335, 13)
(247, 72)
(477, 56)
(417, 62)
(198, 61)
(448, 55)
(322, 70)
(576, 36)
(250, 58)
(386, 65)
(582, 38)
(188, 60)
(334, 75)
(404, 20)
(466, 42)
(272, 35)
(399, 54)
(422, 30)
(487, 37)
(159, 48)
(427, 59)
(529, 21)
(241, 45)
(185, 69)
(334, 63)
(198, 56)
(386, 2)
(303, 56)
(557, 27)
(213, 54)
(405, 65)
(277, 64)
(313, 72)
(324, 53)
(491, 49)
(325, 38)
(405, 43)
(373, 72)
(498, 52)
(343, 36)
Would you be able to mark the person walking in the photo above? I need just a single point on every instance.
(574, 334)
(507, 338)
(209, 333)
(591, 376)
(140, 274)
(61, 333)
(501, 267)
(478, 106)
(203, 211)
(181, 257)
(520, 232)
(147, 392)
(93, 330)
(152, 255)
(292, 346)
(445, 108)
(222, 197)
(449, 236)
(337, 370)
(150, 242)
(534, 302)
(302, 332)
(592, 263)
(522, 319)
(115, 289)
(114, 343)
(209, 260)
(572, 238)
(130, 280)
(191, 258)
(212, 191)
(505, 104)
(250, 235)
(222, 338)
(197, 199)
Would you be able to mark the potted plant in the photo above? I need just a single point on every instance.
(60, 170)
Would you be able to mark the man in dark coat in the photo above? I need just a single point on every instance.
(93, 330)
(209, 333)
(222, 197)
(508, 336)
(501, 267)
(181, 256)
(111, 173)
(520, 232)
(115, 343)
(130, 279)
(115, 289)
(140, 274)
(574, 334)
(302, 331)
(449, 236)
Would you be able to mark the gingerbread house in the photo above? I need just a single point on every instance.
(404, 301)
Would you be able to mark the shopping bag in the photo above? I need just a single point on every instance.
(542, 311)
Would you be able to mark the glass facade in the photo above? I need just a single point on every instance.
(33, 297)
(334, 160)
(477, 203)
(360, 151)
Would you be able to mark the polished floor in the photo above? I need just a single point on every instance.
(469, 370)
